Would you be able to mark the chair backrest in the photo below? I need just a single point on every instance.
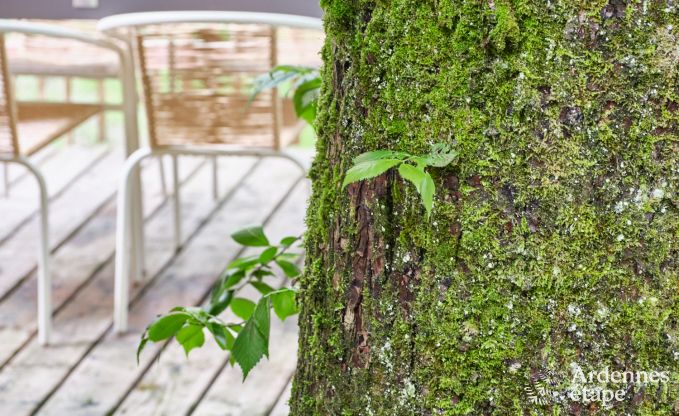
(197, 80)
(8, 131)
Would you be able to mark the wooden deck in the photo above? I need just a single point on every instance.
(88, 370)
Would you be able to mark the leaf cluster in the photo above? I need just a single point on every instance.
(304, 83)
(410, 167)
(247, 340)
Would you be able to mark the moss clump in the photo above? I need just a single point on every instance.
(554, 242)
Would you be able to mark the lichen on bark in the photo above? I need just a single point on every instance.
(554, 240)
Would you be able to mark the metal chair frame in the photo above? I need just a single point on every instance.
(131, 144)
(126, 235)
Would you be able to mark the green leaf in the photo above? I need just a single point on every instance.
(142, 343)
(279, 75)
(253, 340)
(233, 279)
(222, 336)
(263, 320)
(242, 263)
(262, 287)
(243, 308)
(190, 337)
(268, 255)
(379, 155)
(290, 269)
(441, 155)
(367, 170)
(222, 302)
(288, 241)
(166, 326)
(283, 302)
(305, 99)
(262, 273)
(423, 183)
(251, 237)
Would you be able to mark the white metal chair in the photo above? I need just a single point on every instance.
(196, 70)
(45, 122)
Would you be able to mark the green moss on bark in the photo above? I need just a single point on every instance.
(553, 242)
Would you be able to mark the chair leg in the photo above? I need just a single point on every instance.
(163, 181)
(44, 276)
(177, 204)
(124, 234)
(215, 178)
(5, 176)
(138, 260)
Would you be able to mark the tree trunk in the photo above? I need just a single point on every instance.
(553, 245)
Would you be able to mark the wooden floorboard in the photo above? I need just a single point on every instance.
(67, 213)
(83, 321)
(282, 408)
(174, 385)
(185, 281)
(73, 265)
(91, 371)
(59, 171)
(257, 395)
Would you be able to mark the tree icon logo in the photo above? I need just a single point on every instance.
(540, 390)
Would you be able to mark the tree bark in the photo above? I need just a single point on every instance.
(553, 244)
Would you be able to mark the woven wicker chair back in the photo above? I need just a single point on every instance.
(197, 81)
(8, 134)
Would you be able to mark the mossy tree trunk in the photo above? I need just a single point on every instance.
(554, 238)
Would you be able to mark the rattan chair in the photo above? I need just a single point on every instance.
(197, 70)
(26, 128)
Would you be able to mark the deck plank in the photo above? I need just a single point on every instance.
(282, 408)
(36, 372)
(257, 395)
(174, 384)
(73, 264)
(18, 255)
(59, 172)
(111, 361)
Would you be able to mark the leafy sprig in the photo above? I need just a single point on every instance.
(305, 84)
(247, 340)
(410, 167)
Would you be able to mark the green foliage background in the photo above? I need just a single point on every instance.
(554, 237)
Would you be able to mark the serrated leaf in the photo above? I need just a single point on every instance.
(262, 287)
(190, 337)
(290, 269)
(252, 342)
(251, 237)
(367, 170)
(284, 303)
(263, 320)
(379, 155)
(423, 183)
(166, 326)
(268, 255)
(243, 308)
(288, 241)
